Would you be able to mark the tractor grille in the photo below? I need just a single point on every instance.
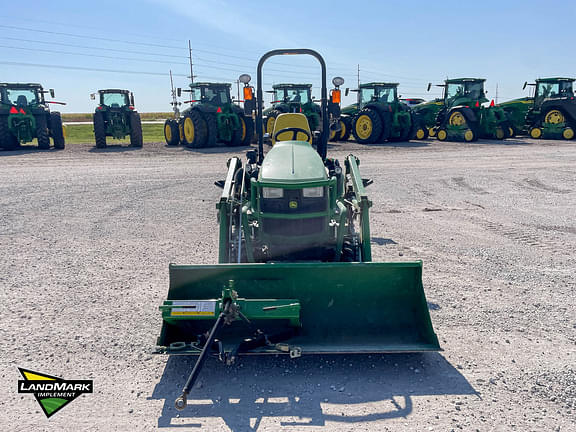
(294, 227)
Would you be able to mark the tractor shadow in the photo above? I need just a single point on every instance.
(381, 241)
(504, 142)
(218, 149)
(114, 148)
(27, 149)
(309, 391)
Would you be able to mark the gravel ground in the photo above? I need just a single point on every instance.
(86, 238)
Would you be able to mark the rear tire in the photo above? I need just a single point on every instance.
(270, 120)
(57, 130)
(99, 130)
(7, 140)
(247, 130)
(171, 132)
(194, 129)
(211, 129)
(136, 138)
(346, 128)
(42, 133)
(367, 126)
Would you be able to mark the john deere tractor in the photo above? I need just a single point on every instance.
(212, 117)
(550, 113)
(116, 117)
(292, 98)
(295, 273)
(379, 115)
(24, 115)
(463, 114)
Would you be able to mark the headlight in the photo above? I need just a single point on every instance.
(268, 192)
(313, 192)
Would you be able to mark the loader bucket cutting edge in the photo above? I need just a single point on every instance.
(345, 307)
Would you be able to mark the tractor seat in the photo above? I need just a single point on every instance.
(114, 105)
(291, 120)
(21, 101)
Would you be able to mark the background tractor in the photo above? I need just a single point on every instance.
(549, 113)
(462, 114)
(211, 118)
(379, 115)
(24, 115)
(295, 274)
(116, 117)
(292, 98)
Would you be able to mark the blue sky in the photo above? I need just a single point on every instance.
(410, 42)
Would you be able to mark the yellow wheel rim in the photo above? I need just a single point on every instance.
(243, 125)
(499, 133)
(554, 117)
(364, 126)
(189, 130)
(456, 119)
(420, 133)
(342, 128)
(64, 131)
(431, 132)
(568, 133)
(536, 133)
(442, 135)
(468, 135)
(270, 124)
(332, 134)
(168, 132)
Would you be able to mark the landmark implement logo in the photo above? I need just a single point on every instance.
(52, 393)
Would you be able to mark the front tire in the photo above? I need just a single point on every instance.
(270, 120)
(346, 128)
(247, 130)
(7, 140)
(57, 130)
(194, 129)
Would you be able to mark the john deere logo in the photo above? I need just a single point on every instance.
(52, 393)
(293, 204)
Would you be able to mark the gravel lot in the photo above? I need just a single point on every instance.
(86, 238)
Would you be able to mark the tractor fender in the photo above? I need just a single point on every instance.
(468, 113)
(565, 106)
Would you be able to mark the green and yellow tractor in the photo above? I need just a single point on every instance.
(550, 113)
(463, 114)
(212, 117)
(116, 117)
(25, 116)
(379, 116)
(295, 273)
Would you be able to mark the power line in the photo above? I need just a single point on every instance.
(164, 74)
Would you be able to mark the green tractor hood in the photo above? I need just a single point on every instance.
(292, 162)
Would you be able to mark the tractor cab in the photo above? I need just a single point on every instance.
(464, 91)
(210, 93)
(115, 99)
(22, 95)
(552, 88)
(295, 95)
(385, 93)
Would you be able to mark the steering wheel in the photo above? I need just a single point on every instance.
(294, 131)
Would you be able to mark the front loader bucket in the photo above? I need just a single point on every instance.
(344, 307)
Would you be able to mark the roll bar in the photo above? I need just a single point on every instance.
(323, 144)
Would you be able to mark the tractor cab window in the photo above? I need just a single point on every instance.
(216, 96)
(368, 95)
(195, 94)
(21, 97)
(547, 90)
(114, 100)
(454, 90)
(298, 95)
(475, 90)
(386, 94)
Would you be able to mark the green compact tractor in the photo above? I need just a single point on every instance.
(550, 113)
(24, 115)
(379, 115)
(462, 114)
(211, 118)
(295, 274)
(116, 117)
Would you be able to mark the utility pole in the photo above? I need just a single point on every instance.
(190, 58)
(238, 87)
(358, 75)
(496, 93)
(174, 98)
